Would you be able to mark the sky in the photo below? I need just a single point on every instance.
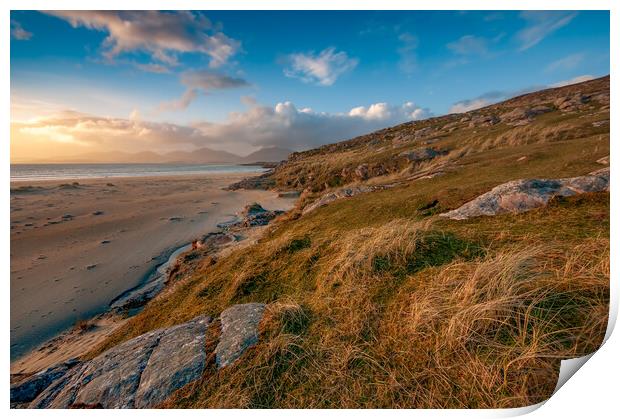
(92, 81)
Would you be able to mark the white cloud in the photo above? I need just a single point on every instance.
(567, 63)
(18, 32)
(162, 34)
(469, 105)
(469, 45)
(130, 134)
(285, 125)
(322, 69)
(574, 80)
(201, 80)
(540, 24)
(282, 125)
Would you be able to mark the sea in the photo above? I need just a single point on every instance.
(34, 172)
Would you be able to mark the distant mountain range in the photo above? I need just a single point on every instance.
(201, 155)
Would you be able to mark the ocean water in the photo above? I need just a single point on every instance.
(33, 172)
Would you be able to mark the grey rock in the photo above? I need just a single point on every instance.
(520, 116)
(178, 359)
(523, 195)
(251, 216)
(111, 379)
(484, 120)
(28, 389)
(571, 103)
(61, 393)
(141, 372)
(340, 194)
(421, 154)
(239, 331)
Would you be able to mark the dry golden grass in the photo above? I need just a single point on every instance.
(373, 301)
(474, 328)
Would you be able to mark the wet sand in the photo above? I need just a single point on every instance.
(76, 247)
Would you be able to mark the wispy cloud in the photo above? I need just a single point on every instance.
(322, 69)
(407, 51)
(201, 81)
(162, 34)
(540, 24)
(574, 80)
(18, 32)
(469, 45)
(567, 63)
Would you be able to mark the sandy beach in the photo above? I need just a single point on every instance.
(76, 247)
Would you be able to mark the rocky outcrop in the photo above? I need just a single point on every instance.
(253, 215)
(264, 181)
(483, 120)
(239, 332)
(144, 371)
(421, 154)
(141, 372)
(28, 389)
(339, 194)
(571, 103)
(523, 195)
(522, 115)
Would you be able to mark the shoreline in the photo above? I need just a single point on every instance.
(221, 207)
(245, 169)
(75, 343)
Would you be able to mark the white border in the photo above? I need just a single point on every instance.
(591, 393)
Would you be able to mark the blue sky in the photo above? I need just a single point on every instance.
(244, 80)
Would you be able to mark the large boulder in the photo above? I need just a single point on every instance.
(523, 195)
(141, 372)
(177, 360)
(26, 390)
(421, 154)
(239, 332)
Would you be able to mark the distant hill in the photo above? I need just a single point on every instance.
(267, 154)
(201, 155)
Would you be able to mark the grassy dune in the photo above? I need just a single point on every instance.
(377, 302)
